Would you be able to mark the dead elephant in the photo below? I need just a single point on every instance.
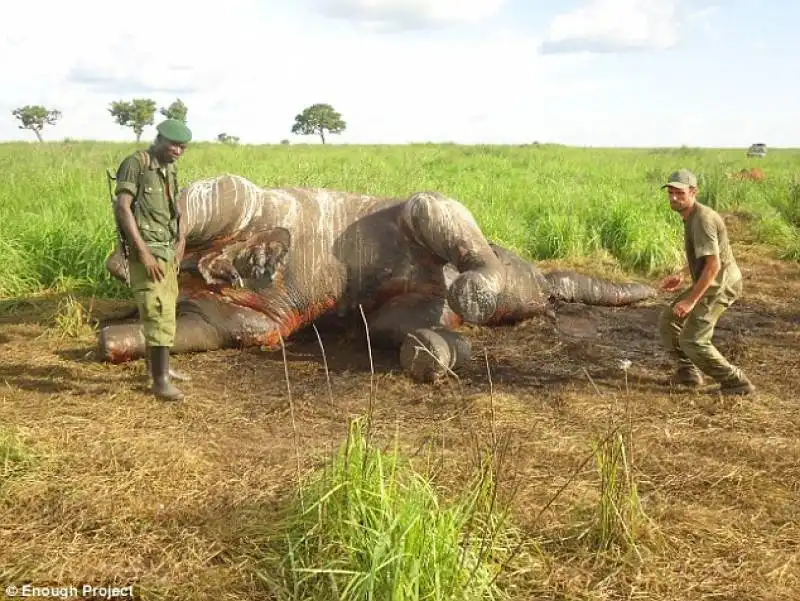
(263, 263)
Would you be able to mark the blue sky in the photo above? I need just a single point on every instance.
(581, 72)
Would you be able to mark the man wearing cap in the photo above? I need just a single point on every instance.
(687, 324)
(148, 213)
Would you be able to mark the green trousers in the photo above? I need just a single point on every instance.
(156, 302)
(688, 339)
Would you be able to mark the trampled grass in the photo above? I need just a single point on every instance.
(542, 201)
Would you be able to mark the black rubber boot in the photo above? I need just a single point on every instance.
(174, 374)
(159, 365)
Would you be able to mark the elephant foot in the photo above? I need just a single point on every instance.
(427, 355)
(121, 343)
(473, 296)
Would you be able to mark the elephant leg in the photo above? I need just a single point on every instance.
(428, 354)
(202, 325)
(419, 325)
(125, 342)
(446, 228)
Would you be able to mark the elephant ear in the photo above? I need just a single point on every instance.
(263, 256)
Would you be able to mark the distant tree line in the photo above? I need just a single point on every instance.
(317, 119)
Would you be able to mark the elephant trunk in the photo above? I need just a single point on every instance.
(569, 286)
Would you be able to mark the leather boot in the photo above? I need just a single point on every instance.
(689, 376)
(174, 374)
(737, 384)
(159, 362)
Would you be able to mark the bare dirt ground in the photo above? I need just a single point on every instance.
(112, 486)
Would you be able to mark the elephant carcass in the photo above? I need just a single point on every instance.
(262, 263)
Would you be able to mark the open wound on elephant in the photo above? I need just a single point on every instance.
(253, 262)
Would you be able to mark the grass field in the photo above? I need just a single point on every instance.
(543, 201)
(544, 471)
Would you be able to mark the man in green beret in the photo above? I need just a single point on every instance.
(149, 216)
(687, 324)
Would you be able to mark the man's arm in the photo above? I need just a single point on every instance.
(127, 178)
(705, 245)
(124, 212)
(711, 267)
(128, 223)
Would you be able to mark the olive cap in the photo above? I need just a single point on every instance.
(174, 130)
(683, 178)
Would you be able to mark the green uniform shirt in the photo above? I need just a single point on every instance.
(704, 234)
(154, 188)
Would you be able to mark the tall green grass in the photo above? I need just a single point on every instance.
(371, 527)
(543, 201)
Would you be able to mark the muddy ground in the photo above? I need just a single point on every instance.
(115, 487)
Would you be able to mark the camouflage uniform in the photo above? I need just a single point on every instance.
(688, 339)
(154, 187)
(156, 217)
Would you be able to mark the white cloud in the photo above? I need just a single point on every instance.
(613, 26)
(398, 15)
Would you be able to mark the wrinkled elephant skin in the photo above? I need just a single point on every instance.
(263, 263)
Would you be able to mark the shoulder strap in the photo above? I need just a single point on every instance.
(145, 157)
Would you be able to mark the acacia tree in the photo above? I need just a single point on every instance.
(35, 116)
(176, 110)
(136, 114)
(227, 138)
(317, 119)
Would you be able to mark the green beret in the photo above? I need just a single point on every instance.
(174, 130)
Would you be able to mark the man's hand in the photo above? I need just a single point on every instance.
(683, 308)
(154, 271)
(672, 282)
